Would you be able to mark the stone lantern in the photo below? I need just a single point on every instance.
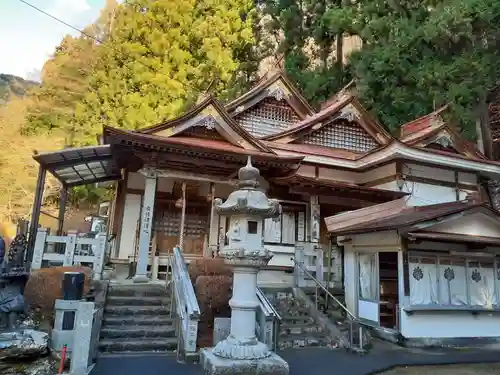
(241, 352)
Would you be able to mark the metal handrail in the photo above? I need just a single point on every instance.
(186, 288)
(318, 283)
(267, 306)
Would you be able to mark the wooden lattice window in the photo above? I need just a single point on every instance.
(270, 116)
(168, 221)
(342, 134)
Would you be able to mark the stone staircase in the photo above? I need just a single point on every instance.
(338, 316)
(137, 320)
(299, 328)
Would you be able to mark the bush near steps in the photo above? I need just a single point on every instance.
(213, 282)
(44, 286)
(208, 267)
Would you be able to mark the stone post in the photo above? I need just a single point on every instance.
(314, 220)
(242, 352)
(82, 338)
(69, 251)
(145, 230)
(39, 248)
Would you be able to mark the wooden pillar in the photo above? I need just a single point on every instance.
(35, 214)
(63, 198)
(314, 220)
(148, 203)
(315, 225)
(183, 217)
(213, 234)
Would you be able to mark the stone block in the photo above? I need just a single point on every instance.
(222, 328)
(213, 365)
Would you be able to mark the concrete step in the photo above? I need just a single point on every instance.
(136, 310)
(138, 291)
(138, 301)
(138, 331)
(138, 345)
(297, 319)
(143, 320)
(304, 340)
(299, 329)
(297, 310)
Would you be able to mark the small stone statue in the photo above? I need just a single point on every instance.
(13, 276)
(11, 303)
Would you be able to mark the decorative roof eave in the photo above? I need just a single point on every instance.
(116, 136)
(421, 123)
(460, 144)
(334, 187)
(196, 110)
(398, 150)
(264, 89)
(320, 119)
(425, 133)
(307, 149)
(403, 219)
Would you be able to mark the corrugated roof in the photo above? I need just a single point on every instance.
(81, 166)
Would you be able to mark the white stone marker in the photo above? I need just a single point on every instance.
(82, 339)
(241, 352)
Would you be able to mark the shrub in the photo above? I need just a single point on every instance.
(208, 267)
(213, 294)
(44, 286)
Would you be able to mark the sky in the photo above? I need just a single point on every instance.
(28, 37)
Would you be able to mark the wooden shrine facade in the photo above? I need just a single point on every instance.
(317, 163)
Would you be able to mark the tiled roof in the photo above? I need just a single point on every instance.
(401, 217)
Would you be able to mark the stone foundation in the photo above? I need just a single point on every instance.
(213, 365)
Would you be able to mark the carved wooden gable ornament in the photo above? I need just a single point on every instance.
(207, 120)
(432, 132)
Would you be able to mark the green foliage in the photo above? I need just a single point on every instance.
(65, 79)
(164, 54)
(89, 195)
(309, 46)
(64, 83)
(13, 86)
(419, 55)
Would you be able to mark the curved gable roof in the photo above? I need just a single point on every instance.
(265, 87)
(209, 108)
(324, 117)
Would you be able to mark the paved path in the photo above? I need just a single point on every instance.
(311, 361)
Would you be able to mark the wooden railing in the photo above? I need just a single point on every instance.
(69, 250)
(186, 306)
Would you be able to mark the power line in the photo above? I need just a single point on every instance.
(80, 31)
(63, 22)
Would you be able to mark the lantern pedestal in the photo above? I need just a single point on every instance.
(214, 365)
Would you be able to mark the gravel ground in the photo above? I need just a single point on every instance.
(480, 369)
